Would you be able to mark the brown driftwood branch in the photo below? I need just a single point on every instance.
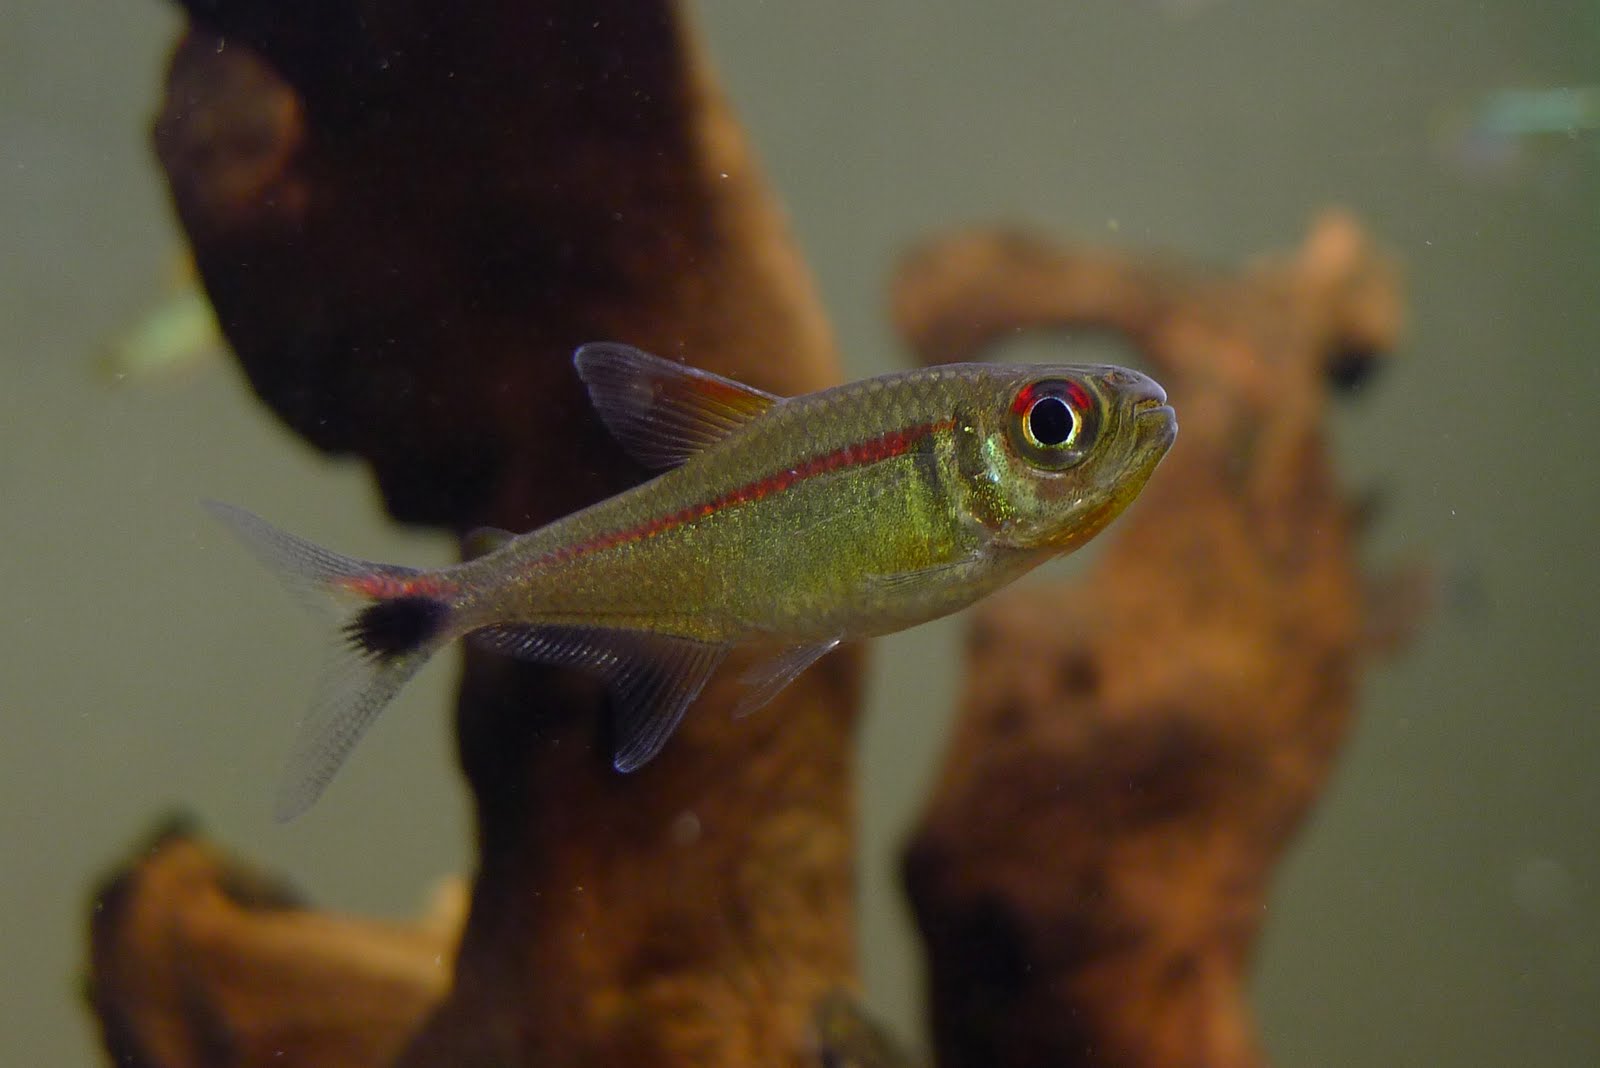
(407, 217)
(202, 960)
(1135, 748)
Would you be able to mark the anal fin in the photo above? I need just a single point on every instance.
(654, 678)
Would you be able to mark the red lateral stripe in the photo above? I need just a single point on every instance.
(386, 587)
(895, 443)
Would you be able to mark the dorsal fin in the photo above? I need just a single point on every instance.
(481, 541)
(660, 411)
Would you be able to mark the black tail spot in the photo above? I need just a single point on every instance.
(390, 629)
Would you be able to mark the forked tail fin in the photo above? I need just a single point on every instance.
(388, 620)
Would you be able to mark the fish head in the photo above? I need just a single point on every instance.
(1057, 452)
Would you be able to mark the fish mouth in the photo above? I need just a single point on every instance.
(1147, 405)
(1155, 405)
(1157, 420)
(1146, 394)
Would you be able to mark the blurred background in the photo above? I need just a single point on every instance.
(1442, 907)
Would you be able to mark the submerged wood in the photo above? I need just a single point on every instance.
(407, 217)
(1136, 748)
(198, 959)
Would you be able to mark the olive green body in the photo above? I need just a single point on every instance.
(855, 511)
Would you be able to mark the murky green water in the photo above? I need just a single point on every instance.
(1444, 905)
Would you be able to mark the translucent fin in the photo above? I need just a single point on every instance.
(590, 648)
(925, 579)
(766, 679)
(660, 411)
(353, 689)
(306, 570)
(385, 628)
(653, 678)
(484, 540)
(653, 693)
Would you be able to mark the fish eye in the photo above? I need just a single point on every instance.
(1051, 422)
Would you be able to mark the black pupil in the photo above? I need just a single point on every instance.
(1050, 421)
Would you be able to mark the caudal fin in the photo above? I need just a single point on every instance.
(388, 620)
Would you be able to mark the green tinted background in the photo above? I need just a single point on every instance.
(1442, 906)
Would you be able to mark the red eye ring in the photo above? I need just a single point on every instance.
(1053, 423)
(1075, 395)
(1051, 413)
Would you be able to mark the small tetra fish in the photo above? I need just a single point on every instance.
(791, 524)
(178, 333)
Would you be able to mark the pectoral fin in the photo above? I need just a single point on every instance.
(653, 678)
(926, 579)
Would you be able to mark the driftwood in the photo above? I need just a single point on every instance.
(1136, 748)
(202, 960)
(407, 218)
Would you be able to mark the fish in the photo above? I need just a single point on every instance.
(176, 334)
(781, 525)
(1520, 133)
